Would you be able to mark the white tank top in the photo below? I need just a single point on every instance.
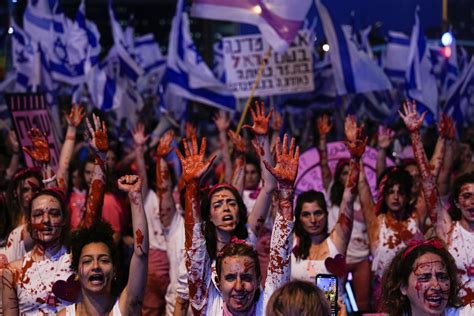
(306, 269)
(391, 242)
(71, 310)
(461, 247)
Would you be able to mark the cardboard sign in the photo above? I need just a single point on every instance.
(287, 72)
(309, 167)
(29, 111)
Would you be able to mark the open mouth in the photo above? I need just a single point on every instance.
(434, 301)
(97, 278)
(228, 218)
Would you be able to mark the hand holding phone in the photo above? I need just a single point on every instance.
(328, 284)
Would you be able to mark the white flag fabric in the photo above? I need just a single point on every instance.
(420, 81)
(395, 58)
(26, 60)
(187, 75)
(148, 54)
(354, 70)
(277, 20)
(93, 37)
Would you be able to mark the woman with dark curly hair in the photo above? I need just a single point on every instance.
(95, 263)
(422, 280)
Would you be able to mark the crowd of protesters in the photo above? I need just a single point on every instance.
(124, 229)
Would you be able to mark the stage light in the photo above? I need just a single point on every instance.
(447, 39)
(257, 9)
(326, 47)
(10, 30)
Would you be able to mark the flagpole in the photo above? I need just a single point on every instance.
(254, 87)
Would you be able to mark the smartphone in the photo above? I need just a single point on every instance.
(328, 284)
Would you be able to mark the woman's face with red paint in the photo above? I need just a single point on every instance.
(465, 202)
(428, 286)
(46, 219)
(238, 283)
(224, 210)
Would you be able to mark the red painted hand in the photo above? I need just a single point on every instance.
(189, 130)
(286, 168)
(277, 121)
(324, 124)
(75, 117)
(446, 127)
(411, 118)
(260, 121)
(355, 139)
(40, 151)
(130, 183)
(98, 139)
(164, 146)
(193, 163)
(238, 141)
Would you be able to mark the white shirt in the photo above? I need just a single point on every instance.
(156, 236)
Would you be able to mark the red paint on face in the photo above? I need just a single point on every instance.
(465, 202)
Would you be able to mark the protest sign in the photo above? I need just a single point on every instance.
(287, 72)
(309, 167)
(28, 111)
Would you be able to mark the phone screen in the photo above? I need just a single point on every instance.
(328, 284)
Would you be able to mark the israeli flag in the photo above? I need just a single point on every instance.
(460, 99)
(26, 60)
(354, 70)
(187, 75)
(395, 58)
(420, 81)
(93, 37)
(63, 42)
(148, 54)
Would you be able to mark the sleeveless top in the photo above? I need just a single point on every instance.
(461, 247)
(306, 269)
(35, 282)
(71, 309)
(391, 242)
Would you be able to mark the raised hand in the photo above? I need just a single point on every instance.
(164, 146)
(74, 118)
(222, 121)
(138, 133)
(193, 163)
(260, 121)
(238, 141)
(411, 118)
(446, 127)
(189, 130)
(130, 183)
(98, 139)
(324, 124)
(277, 121)
(40, 151)
(286, 168)
(384, 137)
(355, 139)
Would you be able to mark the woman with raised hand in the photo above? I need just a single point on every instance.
(227, 216)
(314, 242)
(422, 280)
(95, 262)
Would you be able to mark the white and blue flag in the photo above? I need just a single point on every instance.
(420, 81)
(187, 75)
(395, 59)
(354, 70)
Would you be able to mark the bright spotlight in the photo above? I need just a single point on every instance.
(326, 47)
(257, 9)
(10, 30)
(447, 39)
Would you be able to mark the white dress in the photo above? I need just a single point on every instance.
(15, 247)
(461, 246)
(391, 242)
(35, 282)
(71, 310)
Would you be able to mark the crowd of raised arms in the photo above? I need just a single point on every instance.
(214, 223)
